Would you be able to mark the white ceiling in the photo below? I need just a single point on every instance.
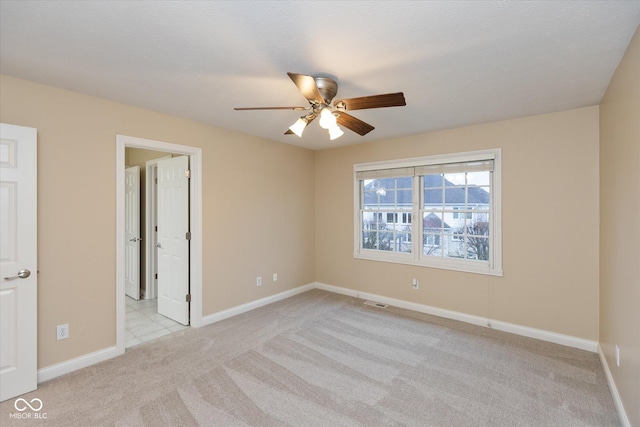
(458, 63)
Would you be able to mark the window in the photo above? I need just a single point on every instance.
(385, 198)
(455, 199)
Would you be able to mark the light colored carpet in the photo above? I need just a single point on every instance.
(323, 359)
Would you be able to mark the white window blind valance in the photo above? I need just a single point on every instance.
(474, 166)
(385, 173)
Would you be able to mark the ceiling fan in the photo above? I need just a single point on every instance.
(320, 91)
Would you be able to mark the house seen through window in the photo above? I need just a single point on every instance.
(436, 211)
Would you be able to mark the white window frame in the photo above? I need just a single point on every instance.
(491, 267)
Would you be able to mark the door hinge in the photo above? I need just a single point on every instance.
(188, 235)
(156, 180)
(156, 228)
(156, 276)
(188, 298)
(187, 173)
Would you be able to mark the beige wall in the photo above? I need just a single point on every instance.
(550, 224)
(620, 227)
(258, 210)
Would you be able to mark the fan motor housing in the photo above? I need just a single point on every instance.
(327, 87)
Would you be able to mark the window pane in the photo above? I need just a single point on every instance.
(431, 244)
(454, 245)
(404, 200)
(369, 239)
(370, 200)
(385, 205)
(460, 227)
(433, 222)
(454, 179)
(368, 220)
(433, 198)
(373, 192)
(479, 225)
(454, 196)
(478, 178)
(402, 242)
(477, 247)
(478, 197)
(385, 241)
(432, 181)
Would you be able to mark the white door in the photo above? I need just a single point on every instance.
(151, 200)
(173, 243)
(18, 261)
(132, 231)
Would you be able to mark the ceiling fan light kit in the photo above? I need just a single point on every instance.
(335, 132)
(327, 119)
(298, 126)
(320, 91)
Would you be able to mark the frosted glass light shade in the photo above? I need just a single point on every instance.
(298, 127)
(327, 119)
(335, 132)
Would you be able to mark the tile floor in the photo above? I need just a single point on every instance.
(143, 323)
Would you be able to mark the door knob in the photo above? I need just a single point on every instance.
(22, 274)
(159, 246)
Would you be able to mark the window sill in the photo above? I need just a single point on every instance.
(475, 267)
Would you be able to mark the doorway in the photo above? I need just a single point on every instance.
(147, 316)
(195, 220)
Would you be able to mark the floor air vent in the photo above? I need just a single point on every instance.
(375, 304)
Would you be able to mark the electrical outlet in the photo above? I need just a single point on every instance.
(259, 281)
(415, 284)
(62, 332)
(275, 277)
(617, 355)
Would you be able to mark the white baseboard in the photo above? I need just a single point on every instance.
(568, 340)
(541, 334)
(421, 308)
(68, 366)
(336, 289)
(234, 311)
(614, 390)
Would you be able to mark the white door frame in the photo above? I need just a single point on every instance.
(195, 219)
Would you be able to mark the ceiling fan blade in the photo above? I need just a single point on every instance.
(308, 87)
(373, 101)
(270, 108)
(356, 125)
